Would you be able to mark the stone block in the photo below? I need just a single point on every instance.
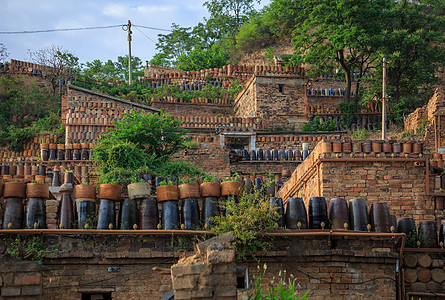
(31, 290)
(27, 279)
(189, 269)
(220, 256)
(11, 291)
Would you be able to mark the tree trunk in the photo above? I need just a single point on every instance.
(348, 85)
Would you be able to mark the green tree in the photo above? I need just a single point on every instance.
(141, 143)
(413, 47)
(229, 15)
(199, 58)
(339, 33)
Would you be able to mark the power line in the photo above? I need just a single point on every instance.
(76, 29)
(56, 30)
(153, 28)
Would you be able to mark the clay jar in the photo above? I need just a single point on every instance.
(326, 147)
(346, 147)
(407, 147)
(336, 147)
(231, 188)
(189, 192)
(13, 193)
(376, 146)
(139, 190)
(167, 193)
(85, 195)
(108, 194)
(417, 148)
(35, 208)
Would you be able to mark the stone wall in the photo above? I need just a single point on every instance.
(87, 114)
(398, 179)
(198, 109)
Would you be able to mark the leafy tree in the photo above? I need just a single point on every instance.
(339, 33)
(114, 70)
(199, 58)
(254, 34)
(229, 15)
(141, 143)
(58, 64)
(413, 47)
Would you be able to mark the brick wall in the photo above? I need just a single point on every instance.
(204, 109)
(375, 177)
(331, 267)
(88, 113)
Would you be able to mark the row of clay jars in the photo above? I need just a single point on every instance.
(303, 138)
(368, 147)
(225, 101)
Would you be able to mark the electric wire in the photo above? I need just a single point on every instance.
(60, 29)
(171, 52)
(77, 29)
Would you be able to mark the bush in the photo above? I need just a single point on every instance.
(248, 219)
(141, 143)
(315, 125)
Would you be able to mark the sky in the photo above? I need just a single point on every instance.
(103, 44)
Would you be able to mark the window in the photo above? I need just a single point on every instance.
(280, 88)
(96, 296)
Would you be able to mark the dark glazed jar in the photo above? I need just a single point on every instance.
(68, 151)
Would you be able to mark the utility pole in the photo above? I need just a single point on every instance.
(130, 81)
(384, 101)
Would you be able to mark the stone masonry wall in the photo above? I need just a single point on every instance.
(193, 109)
(87, 114)
(402, 184)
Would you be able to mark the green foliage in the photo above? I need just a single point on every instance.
(248, 219)
(316, 125)
(253, 34)
(360, 134)
(210, 178)
(270, 53)
(193, 144)
(349, 111)
(167, 182)
(285, 290)
(141, 143)
(30, 247)
(203, 58)
(33, 105)
(117, 70)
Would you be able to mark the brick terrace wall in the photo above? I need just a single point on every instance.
(245, 104)
(401, 184)
(82, 266)
(331, 267)
(334, 267)
(212, 160)
(193, 109)
(433, 112)
(88, 114)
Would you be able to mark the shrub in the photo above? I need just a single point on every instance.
(248, 219)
